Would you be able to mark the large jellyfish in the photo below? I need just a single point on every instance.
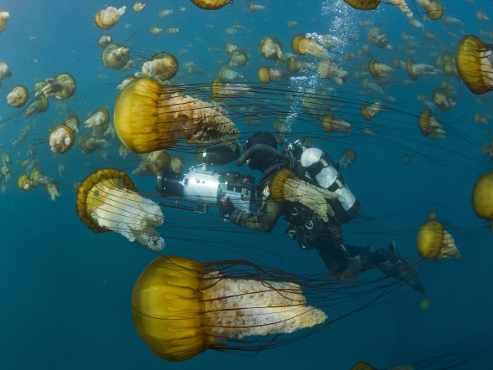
(211, 4)
(482, 197)
(149, 117)
(181, 307)
(475, 64)
(107, 200)
(434, 242)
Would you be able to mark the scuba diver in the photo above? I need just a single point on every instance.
(301, 184)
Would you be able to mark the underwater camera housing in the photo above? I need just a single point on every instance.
(201, 185)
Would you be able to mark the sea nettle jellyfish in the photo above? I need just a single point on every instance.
(107, 200)
(475, 64)
(182, 307)
(211, 4)
(149, 116)
(434, 242)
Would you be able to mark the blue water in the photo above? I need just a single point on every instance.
(65, 291)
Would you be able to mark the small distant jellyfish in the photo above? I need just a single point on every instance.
(18, 96)
(116, 56)
(138, 7)
(238, 58)
(327, 69)
(4, 71)
(306, 46)
(434, 242)
(158, 162)
(379, 71)
(415, 71)
(227, 74)
(443, 99)
(90, 144)
(107, 200)
(104, 41)
(161, 67)
(347, 158)
(108, 17)
(433, 8)
(224, 90)
(378, 38)
(35, 178)
(211, 4)
(267, 74)
(98, 122)
(155, 30)
(62, 137)
(370, 111)
(230, 48)
(271, 49)
(39, 105)
(61, 87)
(331, 124)
(429, 126)
(4, 17)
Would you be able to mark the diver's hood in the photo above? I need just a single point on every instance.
(260, 159)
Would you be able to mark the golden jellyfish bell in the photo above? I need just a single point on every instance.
(482, 197)
(18, 96)
(379, 70)
(363, 4)
(109, 16)
(360, 365)
(107, 200)
(67, 86)
(162, 67)
(474, 61)
(149, 116)
(305, 46)
(115, 56)
(263, 75)
(434, 242)
(238, 58)
(4, 17)
(211, 4)
(433, 8)
(371, 110)
(270, 48)
(62, 137)
(331, 124)
(24, 183)
(429, 126)
(182, 307)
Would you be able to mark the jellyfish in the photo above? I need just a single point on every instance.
(415, 71)
(434, 242)
(35, 178)
(271, 49)
(161, 67)
(39, 105)
(255, 7)
(98, 122)
(104, 41)
(149, 117)
(109, 16)
(61, 87)
(116, 56)
(347, 158)
(360, 365)
(230, 48)
(155, 30)
(4, 71)
(429, 125)
(211, 4)
(475, 64)
(138, 7)
(107, 200)
(18, 96)
(286, 187)
(238, 58)
(331, 124)
(157, 163)
(378, 38)
(379, 70)
(181, 307)
(482, 197)
(224, 90)
(433, 8)
(227, 74)
(306, 46)
(329, 70)
(89, 144)
(62, 137)
(294, 65)
(4, 17)
(443, 99)
(447, 63)
(371, 110)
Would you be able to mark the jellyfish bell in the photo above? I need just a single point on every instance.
(4, 71)
(271, 49)
(370, 111)
(379, 70)
(182, 307)
(104, 41)
(211, 4)
(331, 124)
(306, 46)
(227, 74)
(433, 8)
(434, 242)
(429, 126)
(138, 7)
(107, 200)
(18, 96)
(62, 137)
(4, 17)
(475, 64)
(161, 67)
(238, 58)
(482, 197)
(360, 365)
(67, 86)
(98, 121)
(224, 90)
(116, 56)
(24, 183)
(263, 75)
(363, 4)
(149, 116)
(442, 99)
(109, 16)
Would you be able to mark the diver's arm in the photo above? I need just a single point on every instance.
(264, 220)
